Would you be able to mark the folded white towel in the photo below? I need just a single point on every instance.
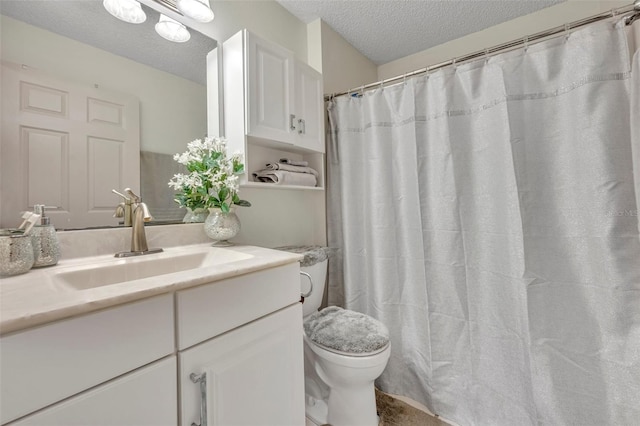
(292, 168)
(283, 177)
(294, 163)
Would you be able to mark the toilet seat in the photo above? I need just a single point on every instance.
(346, 333)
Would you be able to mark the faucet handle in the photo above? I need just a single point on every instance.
(134, 197)
(124, 197)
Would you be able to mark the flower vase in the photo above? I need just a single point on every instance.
(195, 216)
(221, 226)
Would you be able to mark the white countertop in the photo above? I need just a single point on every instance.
(36, 298)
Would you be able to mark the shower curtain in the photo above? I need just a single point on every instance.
(487, 215)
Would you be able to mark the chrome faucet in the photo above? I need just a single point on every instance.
(139, 215)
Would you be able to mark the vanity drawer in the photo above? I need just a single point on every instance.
(46, 364)
(212, 309)
(145, 397)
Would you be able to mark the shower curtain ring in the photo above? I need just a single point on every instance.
(567, 33)
(525, 42)
(427, 71)
(361, 91)
(486, 56)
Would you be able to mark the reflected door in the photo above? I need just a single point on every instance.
(65, 144)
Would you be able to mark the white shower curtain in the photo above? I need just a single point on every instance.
(487, 215)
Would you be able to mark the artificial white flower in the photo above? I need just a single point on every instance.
(212, 180)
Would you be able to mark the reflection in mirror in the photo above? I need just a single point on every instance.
(90, 104)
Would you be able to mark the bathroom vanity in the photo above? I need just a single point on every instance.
(194, 335)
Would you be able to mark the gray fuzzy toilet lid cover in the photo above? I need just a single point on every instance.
(346, 331)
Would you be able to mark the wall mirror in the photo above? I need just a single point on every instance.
(122, 73)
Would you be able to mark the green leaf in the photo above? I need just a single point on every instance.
(223, 194)
(224, 207)
(242, 203)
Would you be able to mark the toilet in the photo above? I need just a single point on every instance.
(345, 351)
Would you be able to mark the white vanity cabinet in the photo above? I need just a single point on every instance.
(241, 358)
(273, 105)
(134, 363)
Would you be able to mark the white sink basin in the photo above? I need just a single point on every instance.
(153, 265)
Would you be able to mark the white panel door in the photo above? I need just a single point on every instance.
(270, 94)
(65, 144)
(146, 397)
(309, 108)
(254, 374)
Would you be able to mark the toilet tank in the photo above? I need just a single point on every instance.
(314, 263)
(318, 273)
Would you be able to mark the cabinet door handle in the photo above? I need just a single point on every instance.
(303, 128)
(202, 379)
(292, 122)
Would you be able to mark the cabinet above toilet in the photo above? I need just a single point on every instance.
(273, 107)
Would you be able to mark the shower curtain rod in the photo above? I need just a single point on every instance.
(501, 48)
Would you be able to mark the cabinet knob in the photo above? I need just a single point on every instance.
(292, 122)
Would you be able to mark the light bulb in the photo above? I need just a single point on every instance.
(172, 30)
(126, 10)
(198, 10)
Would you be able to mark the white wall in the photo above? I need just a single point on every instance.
(163, 97)
(544, 19)
(343, 67)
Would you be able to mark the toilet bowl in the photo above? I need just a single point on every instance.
(345, 351)
(351, 399)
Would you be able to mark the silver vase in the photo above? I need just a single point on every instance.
(221, 226)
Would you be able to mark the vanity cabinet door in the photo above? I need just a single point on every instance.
(146, 397)
(254, 374)
(270, 90)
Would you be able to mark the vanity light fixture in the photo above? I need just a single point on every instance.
(199, 10)
(126, 10)
(172, 30)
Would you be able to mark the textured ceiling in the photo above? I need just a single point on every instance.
(87, 21)
(385, 30)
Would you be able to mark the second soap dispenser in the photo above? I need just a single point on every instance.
(46, 248)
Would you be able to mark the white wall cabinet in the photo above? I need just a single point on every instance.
(118, 366)
(273, 105)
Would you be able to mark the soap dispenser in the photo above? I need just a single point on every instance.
(46, 248)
